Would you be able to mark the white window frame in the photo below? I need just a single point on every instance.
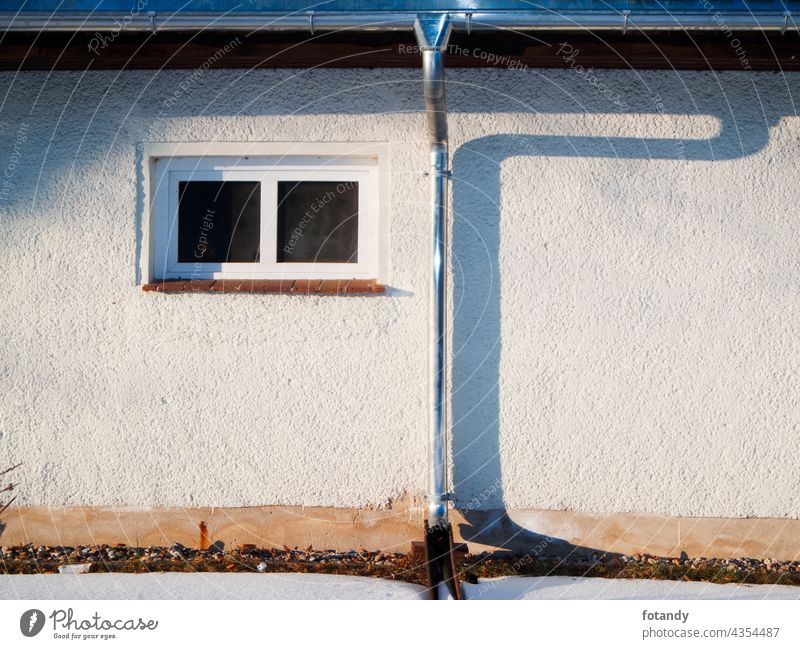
(182, 162)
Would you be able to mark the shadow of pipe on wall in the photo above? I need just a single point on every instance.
(746, 117)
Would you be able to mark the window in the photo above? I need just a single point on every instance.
(282, 217)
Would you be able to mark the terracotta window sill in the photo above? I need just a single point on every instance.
(280, 286)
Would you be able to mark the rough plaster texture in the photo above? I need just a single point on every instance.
(625, 299)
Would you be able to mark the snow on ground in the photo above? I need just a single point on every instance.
(173, 585)
(594, 588)
(204, 585)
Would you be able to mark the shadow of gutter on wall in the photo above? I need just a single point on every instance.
(477, 335)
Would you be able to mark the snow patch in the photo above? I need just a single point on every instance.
(171, 585)
(595, 588)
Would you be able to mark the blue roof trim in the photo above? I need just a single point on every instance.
(372, 6)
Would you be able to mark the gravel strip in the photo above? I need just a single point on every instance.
(31, 559)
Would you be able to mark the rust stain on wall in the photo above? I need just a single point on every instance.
(203, 544)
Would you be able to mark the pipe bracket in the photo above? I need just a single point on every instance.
(445, 498)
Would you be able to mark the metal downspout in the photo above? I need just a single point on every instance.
(432, 34)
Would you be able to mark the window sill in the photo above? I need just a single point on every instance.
(272, 286)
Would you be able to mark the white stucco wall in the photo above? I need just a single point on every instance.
(626, 293)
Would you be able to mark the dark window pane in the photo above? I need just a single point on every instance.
(318, 222)
(219, 221)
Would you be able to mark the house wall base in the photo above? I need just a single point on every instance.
(393, 530)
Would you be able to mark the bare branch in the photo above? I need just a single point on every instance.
(11, 469)
(8, 504)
